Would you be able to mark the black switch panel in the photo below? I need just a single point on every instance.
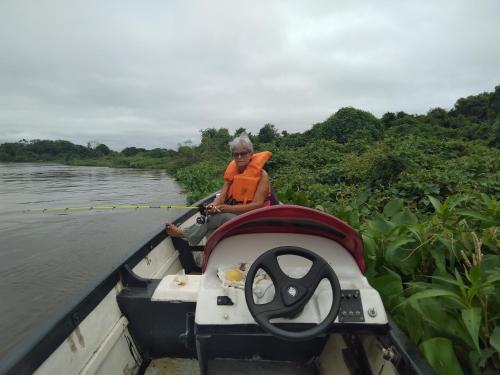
(224, 301)
(351, 308)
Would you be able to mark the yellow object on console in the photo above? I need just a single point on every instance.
(234, 275)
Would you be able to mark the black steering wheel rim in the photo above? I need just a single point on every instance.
(291, 294)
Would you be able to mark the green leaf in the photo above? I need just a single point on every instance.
(398, 257)
(283, 196)
(460, 282)
(405, 218)
(439, 259)
(445, 324)
(393, 207)
(438, 351)
(379, 225)
(435, 203)
(393, 246)
(300, 198)
(475, 215)
(370, 247)
(456, 200)
(447, 279)
(472, 320)
(409, 318)
(431, 293)
(360, 199)
(490, 264)
(474, 275)
(353, 218)
(480, 359)
(495, 339)
(390, 287)
(492, 279)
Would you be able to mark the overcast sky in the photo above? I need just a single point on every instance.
(153, 73)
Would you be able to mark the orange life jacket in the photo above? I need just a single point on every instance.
(243, 185)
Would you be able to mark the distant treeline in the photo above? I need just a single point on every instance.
(213, 144)
(474, 118)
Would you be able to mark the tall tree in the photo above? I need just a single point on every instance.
(494, 105)
(267, 133)
(438, 116)
(474, 107)
(349, 123)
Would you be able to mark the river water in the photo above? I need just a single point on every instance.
(47, 259)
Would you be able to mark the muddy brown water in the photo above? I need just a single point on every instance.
(47, 260)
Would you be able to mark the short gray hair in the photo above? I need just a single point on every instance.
(243, 141)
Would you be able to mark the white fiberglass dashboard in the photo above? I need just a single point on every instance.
(219, 304)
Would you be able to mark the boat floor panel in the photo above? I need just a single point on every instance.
(173, 366)
(249, 367)
(185, 366)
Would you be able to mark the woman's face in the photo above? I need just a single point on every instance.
(241, 156)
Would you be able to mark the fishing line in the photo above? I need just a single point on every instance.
(108, 207)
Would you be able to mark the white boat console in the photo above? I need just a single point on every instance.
(360, 304)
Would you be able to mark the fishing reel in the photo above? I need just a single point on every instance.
(202, 219)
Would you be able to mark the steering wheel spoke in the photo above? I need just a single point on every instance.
(271, 309)
(271, 266)
(316, 273)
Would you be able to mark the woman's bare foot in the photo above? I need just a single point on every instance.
(173, 230)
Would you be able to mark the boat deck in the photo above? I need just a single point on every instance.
(184, 366)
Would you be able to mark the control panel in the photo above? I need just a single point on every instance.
(351, 308)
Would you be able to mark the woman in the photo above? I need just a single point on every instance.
(246, 187)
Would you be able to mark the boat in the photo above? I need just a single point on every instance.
(276, 290)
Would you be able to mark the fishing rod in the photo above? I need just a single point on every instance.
(202, 208)
(110, 207)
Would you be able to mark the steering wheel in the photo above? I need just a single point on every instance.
(291, 294)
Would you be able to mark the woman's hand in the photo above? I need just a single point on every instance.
(221, 208)
(212, 209)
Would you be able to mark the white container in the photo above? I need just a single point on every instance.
(182, 288)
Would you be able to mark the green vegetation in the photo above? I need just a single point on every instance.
(423, 191)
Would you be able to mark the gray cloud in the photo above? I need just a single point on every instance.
(152, 74)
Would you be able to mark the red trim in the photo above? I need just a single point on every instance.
(274, 219)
